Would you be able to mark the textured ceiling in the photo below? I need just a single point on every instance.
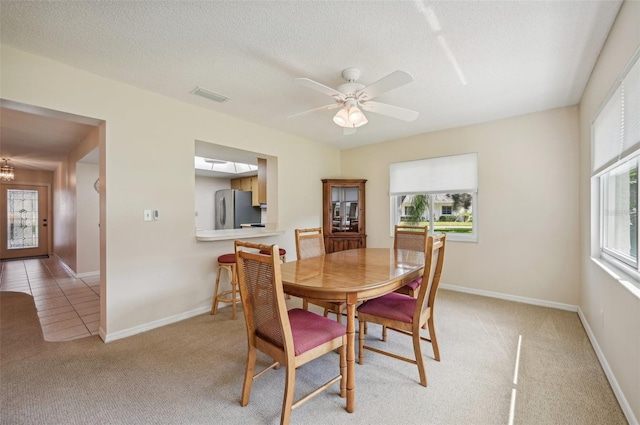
(472, 61)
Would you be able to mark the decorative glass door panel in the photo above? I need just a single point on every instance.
(22, 222)
(24, 229)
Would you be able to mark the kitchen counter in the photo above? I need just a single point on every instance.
(231, 234)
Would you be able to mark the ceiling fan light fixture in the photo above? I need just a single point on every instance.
(342, 118)
(363, 120)
(6, 171)
(355, 115)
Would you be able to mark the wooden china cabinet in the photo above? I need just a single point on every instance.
(343, 214)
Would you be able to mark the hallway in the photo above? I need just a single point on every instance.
(68, 307)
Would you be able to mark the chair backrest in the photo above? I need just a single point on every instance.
(434, 258)
(410, 237)
(263, 301)
(309, 243)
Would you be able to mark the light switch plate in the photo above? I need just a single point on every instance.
(148, 215)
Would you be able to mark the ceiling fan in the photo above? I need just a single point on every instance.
(353, 97)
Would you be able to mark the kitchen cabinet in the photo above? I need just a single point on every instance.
(243, 183)
(256, 184)
(248, 184)
(262, 181)
(343, 215)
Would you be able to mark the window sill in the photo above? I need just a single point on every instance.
(626, 280)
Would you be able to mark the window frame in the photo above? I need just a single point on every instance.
(611, 254)
(432, 217)
(625, 269)
(449, 174)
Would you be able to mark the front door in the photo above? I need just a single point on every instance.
(24, 230)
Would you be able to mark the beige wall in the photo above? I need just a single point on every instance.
(87, 220)
(65, 243)
(527, 210)
(612, 313)
(156, 272)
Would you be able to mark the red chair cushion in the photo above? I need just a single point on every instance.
(392, 306)
(414, 284)
(267, 252)
(310, 330)
(227, 258)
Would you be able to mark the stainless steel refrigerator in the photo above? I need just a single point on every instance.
(233, 208)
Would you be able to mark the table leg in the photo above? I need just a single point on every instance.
(351, 356)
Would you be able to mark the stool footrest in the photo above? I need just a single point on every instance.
(227, 297)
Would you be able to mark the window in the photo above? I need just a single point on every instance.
(616, 149)
(437, 192)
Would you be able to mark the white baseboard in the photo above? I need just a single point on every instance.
(624, 404)
(73, 273)
(152, 325)
(508, 297)
(88, 274)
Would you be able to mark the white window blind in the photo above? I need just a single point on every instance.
(446, 174)
(616, 130)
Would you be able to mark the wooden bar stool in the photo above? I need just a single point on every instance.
(282, 253)
(226, 262)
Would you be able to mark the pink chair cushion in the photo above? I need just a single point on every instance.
(414, 284)
(392, 306)
(267, 252)
(227, 258)
(310, 330)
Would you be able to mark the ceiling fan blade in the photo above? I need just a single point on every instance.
(322, 108)
(390, 82)
(320, 87)
(389, 110)
(346, 131)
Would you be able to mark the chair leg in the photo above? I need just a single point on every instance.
(248, 376)
(361, 342)
(287, 400)
(214, 302)
(434, 340)
(339, 316)
(343, 370)
(419, 360)
(384, 333)
(234, 289)
(305, 304)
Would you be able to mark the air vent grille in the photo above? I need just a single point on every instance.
(209, 94)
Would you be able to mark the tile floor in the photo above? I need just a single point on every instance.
(68, 307)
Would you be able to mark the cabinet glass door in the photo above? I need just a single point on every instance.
(344, 201)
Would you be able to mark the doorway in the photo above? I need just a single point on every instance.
(24, 221)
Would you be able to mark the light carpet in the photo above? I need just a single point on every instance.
(191, 373)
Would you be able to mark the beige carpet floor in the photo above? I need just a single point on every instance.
(191, 373)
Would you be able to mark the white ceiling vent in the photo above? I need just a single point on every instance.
(209, 94)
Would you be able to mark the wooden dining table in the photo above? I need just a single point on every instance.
(351, 276)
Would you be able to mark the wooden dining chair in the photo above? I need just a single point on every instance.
(405, 314)
(291, 338)
(310, 243)
(414, 238)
